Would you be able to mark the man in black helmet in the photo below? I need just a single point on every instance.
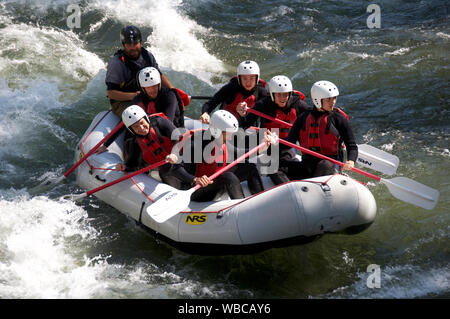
(121, 76)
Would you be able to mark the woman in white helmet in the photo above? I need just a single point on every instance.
(150, 143)
(322, 130)
(283, 103)
(216, 149)
(153, 99)
(246, 86)
(156, 99)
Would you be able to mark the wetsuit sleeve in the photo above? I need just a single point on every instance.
(134, 154)
(303, 107)
(137, 99)
(114, 136)
(170, 104)
(294, 132)
(347, 136)
(250, 118)
(262, 93)
(221, 96)
(165, 126)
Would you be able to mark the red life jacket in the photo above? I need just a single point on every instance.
(240, 98)
(154, 146)
(149, 108)
(302, 96)
(213, 163)
(288, 117)
(319, 135)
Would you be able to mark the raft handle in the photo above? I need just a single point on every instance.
(100, 179)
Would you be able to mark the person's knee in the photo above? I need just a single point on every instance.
(229, 178)
(279, 178)
(324, 168)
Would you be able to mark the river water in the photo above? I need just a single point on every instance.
(393, 81)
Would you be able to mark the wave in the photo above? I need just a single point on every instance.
(29, 52)
(405, 281)
(173, 40)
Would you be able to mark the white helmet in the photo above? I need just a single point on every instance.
(132, 114)
(248, 68)
(149, 76)
(322, 90)
(279, 84)
(221, 121)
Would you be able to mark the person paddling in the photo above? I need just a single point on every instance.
(283, 103)
(153, 99)
(122, 69)
(322, 130)
(213, 144)
(245, 87)
(156, 99)
(150, 143)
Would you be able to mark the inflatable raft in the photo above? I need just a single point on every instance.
(291, 213)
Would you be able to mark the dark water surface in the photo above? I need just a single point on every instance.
(394, 83)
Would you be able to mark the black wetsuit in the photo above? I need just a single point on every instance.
(229, 180)
(167, 102)
(169, 174)
(228, 93)
(312, 166)
(269, 107)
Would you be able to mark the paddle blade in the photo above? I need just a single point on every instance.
(169, 205)
(412, 192)
(46, 184)
(376, 159)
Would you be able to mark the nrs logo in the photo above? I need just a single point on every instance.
(195, 219)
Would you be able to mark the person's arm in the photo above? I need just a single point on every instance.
(169, 105)
(249, 119)
(219, 97)
(116, 77)
(294, 133)
(121, 96)
(303, 106)
(349, 140)
(262, 93)
(134, 153)
(114, 136)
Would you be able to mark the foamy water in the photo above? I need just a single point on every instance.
(173, 37)
(52, 85)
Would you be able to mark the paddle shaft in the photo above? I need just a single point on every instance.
(307, 151)
(200, 97)
(233, 163)
(142, 170)
(94, 149)
(268, 117)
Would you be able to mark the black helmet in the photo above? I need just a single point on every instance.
(130, 34)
